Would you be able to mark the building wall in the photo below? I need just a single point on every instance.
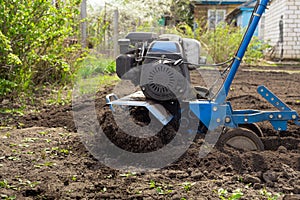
(290, 10)
(243, 19)
(201, 12)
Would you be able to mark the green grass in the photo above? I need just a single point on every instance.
(224, 195)
(93, 84)
(60, 96)
(93, 65)
(13, 111)
(94, 73)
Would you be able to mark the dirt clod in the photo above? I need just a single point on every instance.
(251, 179)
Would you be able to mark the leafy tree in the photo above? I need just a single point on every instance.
(183, 12)
(139, 13)
(33, 42)
(97, 25)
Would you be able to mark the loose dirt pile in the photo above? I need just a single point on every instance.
(47, 160)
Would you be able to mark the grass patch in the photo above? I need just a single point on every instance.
(60, 96)
(93, 84)
(94, 73)
(13, 111)
(93, 65)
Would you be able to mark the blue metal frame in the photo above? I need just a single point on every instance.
(218, 112)
(212, 114)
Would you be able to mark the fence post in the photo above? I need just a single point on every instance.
(116, 32)
(83, 16)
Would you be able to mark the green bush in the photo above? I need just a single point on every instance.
(223, 42)
(255, 51)
(33, 37)
(181, 29)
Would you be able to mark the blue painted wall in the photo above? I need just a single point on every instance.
(244, 17)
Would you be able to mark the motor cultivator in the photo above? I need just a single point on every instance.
(160, 66)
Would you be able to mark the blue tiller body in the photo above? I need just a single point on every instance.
(217, 112)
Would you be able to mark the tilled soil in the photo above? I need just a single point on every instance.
(42, 156)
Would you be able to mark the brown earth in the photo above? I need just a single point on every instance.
(42, 156)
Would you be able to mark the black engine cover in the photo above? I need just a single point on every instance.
(163, 82)
(124, 63)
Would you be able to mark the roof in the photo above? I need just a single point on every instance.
(220, 2)
(237, 10)
(248, 4)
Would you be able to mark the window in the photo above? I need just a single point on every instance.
(215, 17)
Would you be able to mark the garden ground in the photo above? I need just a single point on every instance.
(42, 156)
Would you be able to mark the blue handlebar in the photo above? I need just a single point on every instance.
(223, 92)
